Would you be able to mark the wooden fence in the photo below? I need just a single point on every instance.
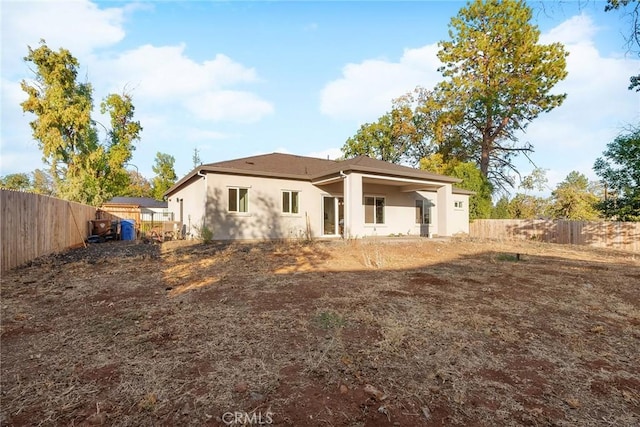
(618, 235)
(32, 225)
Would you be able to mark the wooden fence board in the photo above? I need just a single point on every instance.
(618, 235)
(32, 225)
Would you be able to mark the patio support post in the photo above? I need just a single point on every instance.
(444, 206)
(353, 208)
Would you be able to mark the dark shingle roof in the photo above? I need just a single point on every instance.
(279, 165)
(276, 163)
(145, 202)
(367, 164)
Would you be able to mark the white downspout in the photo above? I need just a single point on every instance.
(204, 198)
(346, 225)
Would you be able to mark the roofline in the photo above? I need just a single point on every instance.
(417, 173)
(340, 166)
(232, 171)
(181, 181)
(463, 191)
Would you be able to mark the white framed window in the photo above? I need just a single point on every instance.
(374, 210)
(238, 199)
(290, 202)
(457, 204)
(423, 211)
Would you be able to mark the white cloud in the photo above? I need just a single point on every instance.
(597, 107)
(79, 26)
(19, 150)
(25, 23)
(170, 89)
(568, 138)
(577, 29)
(598, 103)
(329, 153)
(165, 75)
(165, 72)
(229, 105)
(366, 90)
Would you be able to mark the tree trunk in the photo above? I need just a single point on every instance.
(484, 156)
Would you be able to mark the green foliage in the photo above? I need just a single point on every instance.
(435, 163)
(204, 233)
(82, 169)
(37, 181)
(525, 206)
(498, 79)
(388, 139)
(165, 175)
(537, 180)
(138, 186)
(575, 199)
(619, 169)
(501, 209)
(16, 181)
(508, 257)
(42, 183)
(472, 179)
(329, 320)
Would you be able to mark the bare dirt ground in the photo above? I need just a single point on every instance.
(355, 333)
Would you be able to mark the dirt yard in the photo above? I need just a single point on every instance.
(355, 333)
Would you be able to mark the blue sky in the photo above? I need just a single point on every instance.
(236, 79)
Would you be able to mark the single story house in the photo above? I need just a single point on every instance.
(140, 209)
(278, 195)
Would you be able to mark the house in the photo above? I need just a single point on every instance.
(151, 217)
(140, 209)
(285, 196)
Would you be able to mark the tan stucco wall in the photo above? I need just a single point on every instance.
(460, 216)
(265, 219)
(192, 195)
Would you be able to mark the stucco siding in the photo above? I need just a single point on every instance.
(459, 215)
(264, 218)
(430, 200)
(256, 211)
(191, 196)
(399, 212)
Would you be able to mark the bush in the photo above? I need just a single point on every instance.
(205, 233)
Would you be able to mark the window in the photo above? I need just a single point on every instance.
(423, 211)
(457, 204)
(290, 202)
(238, 200)
(374, 210)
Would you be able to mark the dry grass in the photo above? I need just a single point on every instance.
(344, 334)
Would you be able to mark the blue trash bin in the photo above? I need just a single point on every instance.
(128, 229)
